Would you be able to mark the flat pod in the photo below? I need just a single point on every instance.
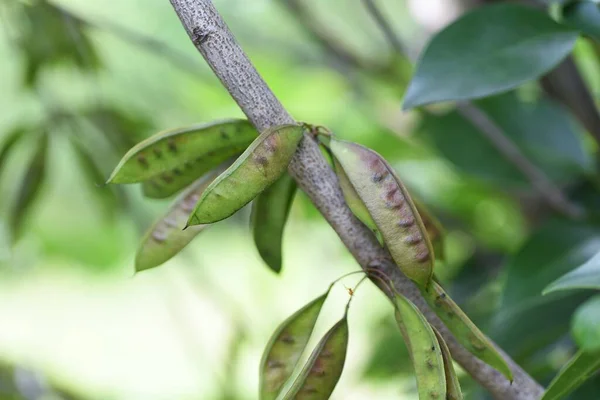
(354, 201)
(163, 154)
(324, 367)
(170, 182)
(390, 206)
(166, 236)
(270, 211)
(464, 329)
(453, 391)
(265, 161)
(433, 227)
(424, 350)
(285, 348)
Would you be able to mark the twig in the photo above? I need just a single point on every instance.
(538, 179)
(216, 43)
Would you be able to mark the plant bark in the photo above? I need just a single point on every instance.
(215, 42)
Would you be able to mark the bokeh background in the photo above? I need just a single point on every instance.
(82, 81)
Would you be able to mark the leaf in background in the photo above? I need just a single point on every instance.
(525, 318)
(585, 16)
(93, 177)
(572, 375)
(543, 131)
(478, 55)
(30, 185)
(586, 325)
(586, 276)
(122, 129)
(389, 358)
(53, 36)
(12, 138)
(270, 211)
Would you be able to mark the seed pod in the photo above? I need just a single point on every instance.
(424, 350)
(453, 391)
(255, 170)
(170, 182)
(198, 148)
(269, 214)
(390, 206)
(324, 367)
(434, 228)
(354, 202)
(285, 348)
(464, 329)
(166, 237)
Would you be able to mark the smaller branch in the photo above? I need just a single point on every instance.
(538, 179)
(551, 193)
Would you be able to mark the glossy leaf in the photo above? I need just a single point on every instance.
(543, 131)
(166, 237)
(324, 367)
(285, 348)
(424, 349)
(389, 204)
(585, 16)
(572, 375)
(464, 329)
(270, 211)
(586, 325)
(263, 163)
(587, 276)
(477, 55)
(187, 151)
(453, 391)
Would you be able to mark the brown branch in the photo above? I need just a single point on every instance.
(215, 42)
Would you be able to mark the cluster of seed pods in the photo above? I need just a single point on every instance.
(172, 160)
(376, 195)
(321, 372)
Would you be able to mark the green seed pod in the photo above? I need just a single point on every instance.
(255, 170)
(166, 237)
(390, 206)
(464, 329)
(170, 182)
(285, 347)
(424, 349)
(270, 211)
(198, 148)
(434, 228)
(354, 202)
(324, 367)
(453, 391)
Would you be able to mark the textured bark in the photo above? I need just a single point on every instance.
(215, 42)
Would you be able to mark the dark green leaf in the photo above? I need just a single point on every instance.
(572, 375)
(586, 325)
(585, 16)
(586, 276)
(543, 131)
(492, 49)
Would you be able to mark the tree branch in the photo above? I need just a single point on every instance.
(215, 42)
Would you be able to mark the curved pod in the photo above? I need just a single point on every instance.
(269, 214)
(424, 349)
(256, 169)
(390, 206)
(322, 371)
(167, 154)
(453, 391)
(166, 236)
(464, 329)
(285, 348)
